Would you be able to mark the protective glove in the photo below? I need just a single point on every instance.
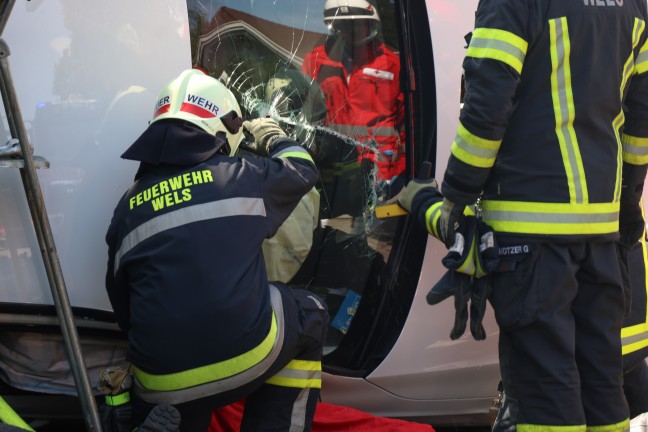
(457, 285)
(486, 260)
(470, 259)
(406, 196)
(458, 279)
(265, 132)
(450, 221)
(480, 291)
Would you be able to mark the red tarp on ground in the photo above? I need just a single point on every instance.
(328, 418)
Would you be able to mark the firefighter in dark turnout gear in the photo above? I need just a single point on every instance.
(553, 137)
(186, 276)
(634, 337)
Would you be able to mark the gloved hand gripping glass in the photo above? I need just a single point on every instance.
(265, 132)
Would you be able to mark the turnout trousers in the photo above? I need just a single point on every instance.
(560, 308)
(284, 396)
(634, 335)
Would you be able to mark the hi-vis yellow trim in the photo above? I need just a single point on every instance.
(297, 155)
(617, 427)
(473, 150)
(551, 218)
(619, 120)
(10, 417)
(549, 428)
(299, 374)
(641, 63)
(635, 149)
(635, 337)
(499, 45)
(564, 112)
(432, 216)
(212, 372)
(617, 125)
(294, 151)
(116, 400)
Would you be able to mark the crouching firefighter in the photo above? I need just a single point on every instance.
(186, 275)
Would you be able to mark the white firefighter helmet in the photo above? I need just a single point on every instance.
(202, 100)
(357, 21)
(349, 10)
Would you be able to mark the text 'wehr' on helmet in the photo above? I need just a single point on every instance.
(203, 101)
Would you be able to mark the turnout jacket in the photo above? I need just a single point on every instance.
(363, 99)
(186, 276)
(556, 109)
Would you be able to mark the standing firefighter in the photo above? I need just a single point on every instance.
(553, 137)
(186, 275)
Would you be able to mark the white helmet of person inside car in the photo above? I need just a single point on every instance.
(202, 100)
(344, 16)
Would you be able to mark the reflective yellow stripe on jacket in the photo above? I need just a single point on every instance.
(204, 381)
(641, 64)
(563, 103)
(635, 149)
(474, 150)
(432, 215)
(212, 372)
(551, 218)
(499, 45)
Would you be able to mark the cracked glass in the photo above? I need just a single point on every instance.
(330, 76)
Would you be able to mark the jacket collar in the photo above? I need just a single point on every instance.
(173, 142)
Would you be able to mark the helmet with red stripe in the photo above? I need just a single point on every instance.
(202, 100)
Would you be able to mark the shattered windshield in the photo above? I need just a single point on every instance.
(330, 75)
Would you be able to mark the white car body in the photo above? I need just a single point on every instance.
(96, 53)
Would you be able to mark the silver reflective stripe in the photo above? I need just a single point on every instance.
(564, 99)
(354, 130)
(292, 149)
(642, 58)
(298, 415)
(474, 150)
(187, 215)
(499, 45)
(635, 338)
(571, 218)
(225, 384)
(298, 374)
(634, 149)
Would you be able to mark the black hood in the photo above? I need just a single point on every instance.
(174, 142)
